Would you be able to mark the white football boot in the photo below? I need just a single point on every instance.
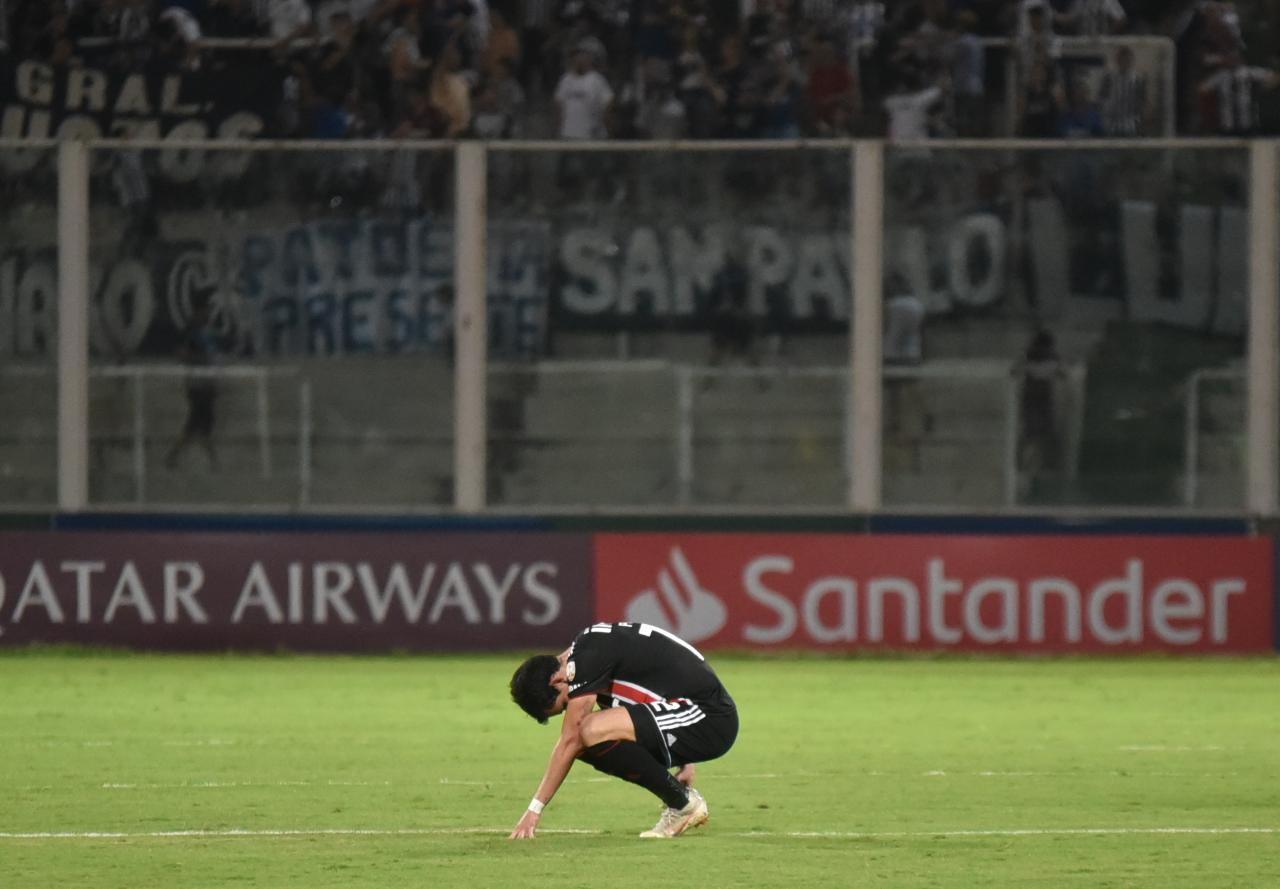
(676, 821)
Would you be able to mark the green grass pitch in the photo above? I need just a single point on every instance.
(408, 771)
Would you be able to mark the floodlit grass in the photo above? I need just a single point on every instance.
(866, 773)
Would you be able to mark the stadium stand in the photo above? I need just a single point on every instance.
(695, 68)
(676, 69)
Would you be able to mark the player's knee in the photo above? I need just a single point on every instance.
(613, 724)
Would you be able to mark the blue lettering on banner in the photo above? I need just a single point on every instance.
(385, 286)
(331, 287)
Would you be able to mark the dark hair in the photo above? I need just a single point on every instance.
(531, 685)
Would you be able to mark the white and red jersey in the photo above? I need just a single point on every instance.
(635, 663)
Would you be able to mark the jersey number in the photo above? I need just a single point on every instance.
(650, 629)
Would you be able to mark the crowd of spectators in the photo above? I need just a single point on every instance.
(671, 69)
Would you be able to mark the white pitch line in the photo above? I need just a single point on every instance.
(762, 776)
(1012, 832)
(205, 785)
(242, 833)
(201, 786)
(757, 777)
(1162, 748)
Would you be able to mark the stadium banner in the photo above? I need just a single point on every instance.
(39, 100)
(1029, 594)
(370, 286)
(633, 274)
(297, 591)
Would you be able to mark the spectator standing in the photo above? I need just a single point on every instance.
(924, 45)
(863, 23)
(52, 42)
(1223, 37)
(732, 327)
(1040, 369)
(738, 76)
(908, 108)
(334, 69)
(502, 50)
(583, 98)
(450, 94)
(451, 23)
(478, 30)
(904, 315)
(133, 191)
(198, 350)
(783, 92)
(641, 97)
(1234, 89)
(490, 120)
(403, 192)
(536, 19)
(832, 91)
(583, 103)
(175, 40)
(967, 59)
(509, 95)
(699, 96)
(134, 23)
(1036, 39)
(654, 39)
(1080, 119)
(497, 114)
(404, 60)
(1123, 94)
(287, 20)
(1040, 100)
(661, 114)
(1096, 18)
(1029, 9)
(905, 414)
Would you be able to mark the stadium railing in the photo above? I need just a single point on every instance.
(1221, 390)
(897, 187)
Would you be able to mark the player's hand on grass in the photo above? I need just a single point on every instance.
(525, 827)
(685, 775)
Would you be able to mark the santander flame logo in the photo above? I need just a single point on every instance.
(679, 604)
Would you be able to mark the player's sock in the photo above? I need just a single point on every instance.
(631, 762)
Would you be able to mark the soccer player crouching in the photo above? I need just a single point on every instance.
(661, 707)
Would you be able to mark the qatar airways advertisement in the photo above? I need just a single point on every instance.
(302, 591)
(1036, 594)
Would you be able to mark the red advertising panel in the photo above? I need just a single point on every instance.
(1028, 594)
(313, 591)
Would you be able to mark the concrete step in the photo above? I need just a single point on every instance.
(938, 489)
(818, 486)
(1220, 490)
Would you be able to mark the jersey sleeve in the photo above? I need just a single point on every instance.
(590, 665)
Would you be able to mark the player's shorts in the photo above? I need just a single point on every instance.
(684, 731)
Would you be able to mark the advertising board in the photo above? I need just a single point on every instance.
(1050, 594)
(300, 591)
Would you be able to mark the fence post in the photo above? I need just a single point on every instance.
(867, 251)
(1264, 329)
(73, 325)
(684, 435)
(470, 330)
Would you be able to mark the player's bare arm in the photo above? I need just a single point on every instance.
(568, 746)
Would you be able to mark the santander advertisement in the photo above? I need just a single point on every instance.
(1026, 594)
